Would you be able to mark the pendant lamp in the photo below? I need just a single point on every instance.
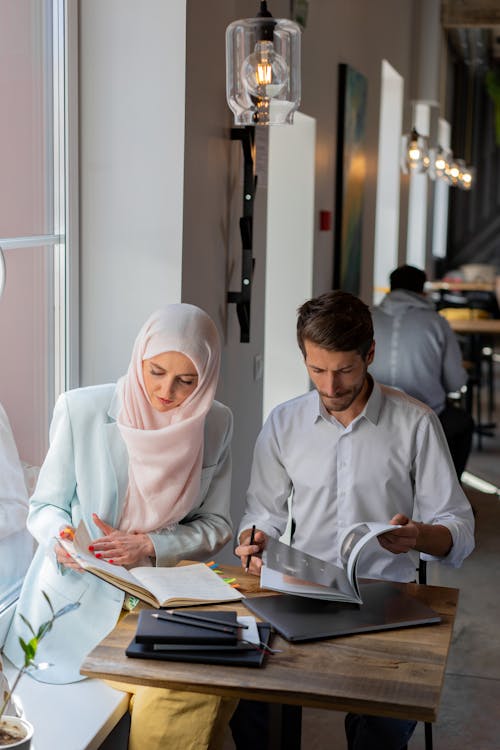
(263, 69)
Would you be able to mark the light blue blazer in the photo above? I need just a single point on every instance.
(85, 472)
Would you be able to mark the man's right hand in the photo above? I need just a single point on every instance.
(255, 550)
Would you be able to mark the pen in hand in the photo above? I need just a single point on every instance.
(249, 557)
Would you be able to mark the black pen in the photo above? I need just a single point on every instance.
(196, 624)
(249, 557)
(192, 616)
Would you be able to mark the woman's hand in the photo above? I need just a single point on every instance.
(120, 547)
(63, 557)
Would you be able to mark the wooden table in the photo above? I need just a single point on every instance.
(459, 286)
(482, 326)
(396, 673)
(479, 332)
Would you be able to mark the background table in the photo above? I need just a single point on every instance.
(476, 326)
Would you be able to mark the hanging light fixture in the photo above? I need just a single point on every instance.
(453, 172)
(466, 177)
(439, 159)
(415, 153)
(263, 69)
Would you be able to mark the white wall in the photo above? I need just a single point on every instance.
(388, 179)
(289, 256)
(416, 242)
(132, 102)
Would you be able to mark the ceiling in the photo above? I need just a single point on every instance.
(473, 30)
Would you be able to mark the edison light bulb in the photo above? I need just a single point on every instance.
(466, 180)
(264, 72)
(414, 153)
(440, 164)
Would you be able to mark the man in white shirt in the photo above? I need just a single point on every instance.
(352, 451)
(418, 352)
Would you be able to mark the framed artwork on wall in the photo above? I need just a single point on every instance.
(350, 179)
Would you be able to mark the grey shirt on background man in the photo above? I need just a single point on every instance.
(415, 349)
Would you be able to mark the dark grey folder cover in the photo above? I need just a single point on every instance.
(385, 607)
(225, 655)
(152, 630)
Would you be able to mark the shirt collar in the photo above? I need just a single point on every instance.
(374, 404)
(371, 410)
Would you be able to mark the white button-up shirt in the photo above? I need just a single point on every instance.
(393, 458)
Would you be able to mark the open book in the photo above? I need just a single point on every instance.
(181, 586)
(291, 571)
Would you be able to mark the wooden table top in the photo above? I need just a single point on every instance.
(460, 286)
(476, 325)
(396, 673)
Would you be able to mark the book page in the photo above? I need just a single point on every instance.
(78, 549)
(175, 585)
(340, 590)
(297, 572)
(355, 539)
(187, 583)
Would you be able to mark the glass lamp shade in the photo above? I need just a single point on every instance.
(415, 153)
(263, 70)
(453, 172)
(440, 159)
(466, 177)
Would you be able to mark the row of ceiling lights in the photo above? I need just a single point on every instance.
(437, 162)
(263, 88)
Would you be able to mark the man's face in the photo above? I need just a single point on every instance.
(339, 377)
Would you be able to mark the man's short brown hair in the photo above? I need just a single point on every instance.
(337, 321)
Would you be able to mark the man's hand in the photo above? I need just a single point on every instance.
(255, 550)
(400, 540)
(431, 538)
(120, 547)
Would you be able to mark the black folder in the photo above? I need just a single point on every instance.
(385, 607)
(238, 655)
(151, 629)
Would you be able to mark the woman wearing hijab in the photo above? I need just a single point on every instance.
(146, 464)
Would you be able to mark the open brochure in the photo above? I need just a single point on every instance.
(181, 586)
(288, 570)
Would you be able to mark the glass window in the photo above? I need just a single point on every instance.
(33, 178)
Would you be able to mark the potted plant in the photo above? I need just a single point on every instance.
(16, 732)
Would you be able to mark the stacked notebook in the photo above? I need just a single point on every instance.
(209, 637)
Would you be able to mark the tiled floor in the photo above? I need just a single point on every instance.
(469, 715)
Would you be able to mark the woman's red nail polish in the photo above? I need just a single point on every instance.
(91, 547)
(111, 561)
(98, 554)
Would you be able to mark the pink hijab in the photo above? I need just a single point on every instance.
(166, 448)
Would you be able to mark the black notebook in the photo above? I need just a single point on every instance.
(151, 629)
(243, 655)
(385, 607)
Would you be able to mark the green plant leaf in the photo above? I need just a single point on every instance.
(30, 647)
(27, 623)
(48, 601)
(44, 629)
(66, 608)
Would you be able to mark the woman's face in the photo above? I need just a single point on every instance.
(169, 379)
